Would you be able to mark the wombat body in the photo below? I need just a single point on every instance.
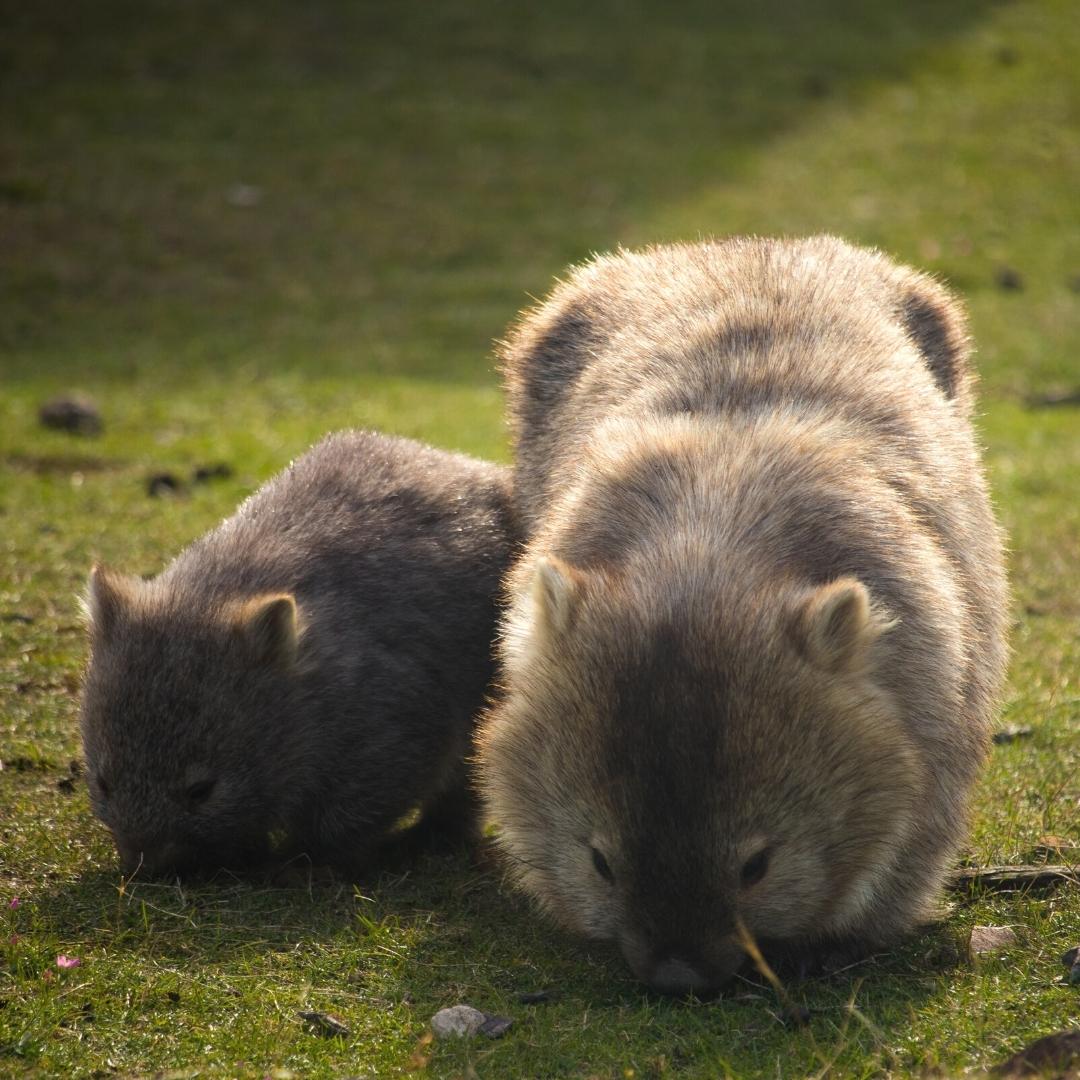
(311, 667)
(757, 636)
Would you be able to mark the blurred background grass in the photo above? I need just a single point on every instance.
(238, 226)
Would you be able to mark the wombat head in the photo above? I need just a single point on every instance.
(669, 772)
(178, 719)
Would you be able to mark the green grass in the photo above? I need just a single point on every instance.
(421, 170)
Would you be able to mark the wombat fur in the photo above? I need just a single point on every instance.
(758, 633)
(309, 668)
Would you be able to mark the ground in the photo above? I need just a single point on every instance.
(239, 226)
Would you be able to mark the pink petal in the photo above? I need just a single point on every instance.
(14, 903)
(63, 961)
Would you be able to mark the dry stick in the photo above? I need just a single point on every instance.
(1013, 877)
(750, 946)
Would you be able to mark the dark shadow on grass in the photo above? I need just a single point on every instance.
(338, 187)
(440, 903)
(459, 912)
(447, 930)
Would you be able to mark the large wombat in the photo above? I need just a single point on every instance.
(310, 668)
(757, 637)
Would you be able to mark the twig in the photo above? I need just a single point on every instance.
(1007, 878)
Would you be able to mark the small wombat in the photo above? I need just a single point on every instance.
(757, 636)
(309, 669)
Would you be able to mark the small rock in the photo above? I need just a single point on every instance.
(463, 1021)
(1052, 1053)
(244, 196)
(220, 470)
(325, 1024)
(72, 413)
(795, 1016)
(1053, 847)
(1012, 734)
(1008, 279)
(989, 939)
(535, 997)
(1071, 960)
(163, 483)
(495, 1027)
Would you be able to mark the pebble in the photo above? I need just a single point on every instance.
(534, 997)
(495, 1027)
(162, 483)
(220, 470)
(1071, 960)
(72, 413)
(244, 196)
(1050, 846)
(1009, 279)
(325, 1024)
(796, 1016)
(464, 1021)
(989, 939)
(1011, 734)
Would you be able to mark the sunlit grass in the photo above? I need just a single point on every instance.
(418, 173)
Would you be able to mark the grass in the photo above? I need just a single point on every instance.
(239, 226)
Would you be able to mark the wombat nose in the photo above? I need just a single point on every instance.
(132, 860)
(676, 976)
(158, 859)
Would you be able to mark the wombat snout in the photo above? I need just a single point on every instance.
(164, 857)
(681, 969)
(150, 857)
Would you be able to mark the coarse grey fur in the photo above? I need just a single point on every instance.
(310, 667)
(757, 636)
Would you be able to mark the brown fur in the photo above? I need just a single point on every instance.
(762, 606)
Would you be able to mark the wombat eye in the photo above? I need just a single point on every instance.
(755, 868)
(199, 791)
(602, 867)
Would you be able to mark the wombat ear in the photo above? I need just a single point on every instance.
(837, 625)
(555, 587)
(108, 596)
(935, 323)
(269, 627)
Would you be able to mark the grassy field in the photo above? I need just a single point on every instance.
(239, 226)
